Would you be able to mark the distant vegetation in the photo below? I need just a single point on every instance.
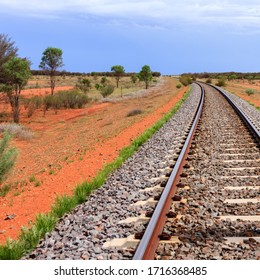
(91, 74)
(226, 75)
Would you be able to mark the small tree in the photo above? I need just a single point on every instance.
(51, 61)
(145, 75)
(118, 73)
(17, 73)
(7, 155)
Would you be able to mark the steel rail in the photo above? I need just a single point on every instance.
(150, 240)
(241, 114)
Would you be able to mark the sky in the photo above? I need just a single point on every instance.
(172, 37)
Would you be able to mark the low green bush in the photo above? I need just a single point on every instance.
(106, 90)
(7, 155)
(250, 91)
(221, 82)
(134, 112)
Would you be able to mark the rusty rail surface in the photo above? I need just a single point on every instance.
(150, 240)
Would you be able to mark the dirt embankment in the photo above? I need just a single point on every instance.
(72, 146)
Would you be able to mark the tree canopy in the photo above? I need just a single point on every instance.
(17, 73)
(145, 75)
(51, 61)
(8, 50)
(118, 72)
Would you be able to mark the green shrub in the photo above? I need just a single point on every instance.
(178, 86)
(84, 85)
(134, 78)
(209, 81)
(104, 80)
(106, 90)
(69, 99)
(250, 91)
(47, 102)
(7, 155)
(185, 80)
(221, 82)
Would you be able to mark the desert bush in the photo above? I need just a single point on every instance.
(8, 156)
(104, 80)
(209, 81)
(30, 109)
(47, 102)
(134, 112)
(16, 130)
(106, 90)
(221, 82)
(134, 78)
(97, 86)
(250, 91)
(185, 80)
(37, 101)
(84, 85)
(31, 104)
(71, 99)
(178, 86)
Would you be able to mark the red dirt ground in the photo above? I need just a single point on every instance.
(239, 88)
(72, 146)
(43, 91)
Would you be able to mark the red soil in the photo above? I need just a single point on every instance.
(239, 88)
(43, 91)
(64, 134)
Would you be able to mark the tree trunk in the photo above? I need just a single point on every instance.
(146, 84)
(16, 106)
(52, 78)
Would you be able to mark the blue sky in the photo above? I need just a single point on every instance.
(171, 36)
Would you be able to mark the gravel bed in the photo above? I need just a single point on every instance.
(201, 231)
(82, 233)
(249, 110)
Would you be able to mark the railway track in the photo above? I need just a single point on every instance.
(215, 212)
(212, 195)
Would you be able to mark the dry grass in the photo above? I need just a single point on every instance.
(16, 130)
(126, 86)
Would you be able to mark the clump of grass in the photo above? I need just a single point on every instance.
(37, 183)
(5, 189)
(134, 112)
(44, 223)
(7, 155)
(51, 172)
(178, 85)
(16, 130)
(32, 179)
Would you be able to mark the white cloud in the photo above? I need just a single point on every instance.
(164, 13)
